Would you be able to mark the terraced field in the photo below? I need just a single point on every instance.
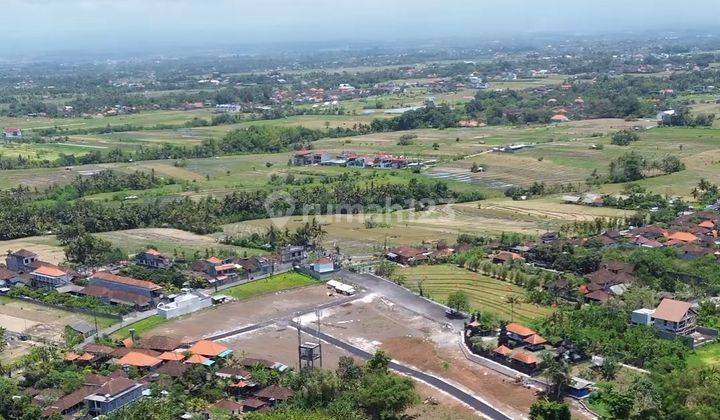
(485, 293)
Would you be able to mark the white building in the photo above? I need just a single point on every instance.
(642, 316)
(184, 304)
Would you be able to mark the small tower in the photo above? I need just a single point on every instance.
(309, 353)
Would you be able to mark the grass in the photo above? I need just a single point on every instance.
(269, 285)
(705, 356)
(140, 327)
(485, 293)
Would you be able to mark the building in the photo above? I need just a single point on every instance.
(293, 254)
(114, 395)
(642, 316)
(154, 259)
(159, 343)
(49, 276)
(184, 304)
(406, 255)
(255, 266)
(217, 269)
(83, 328)
(209, 348)
(21, 260)
(518, 332)
(309, 157)
(674, 317)
(506, 257)
(112, 281)
(12, 133)
(8, 278)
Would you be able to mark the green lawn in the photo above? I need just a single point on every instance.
(485, 293)
(707, 355)
(140, 327)
(269, 285)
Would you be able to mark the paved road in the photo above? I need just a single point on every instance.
(456, 392)
(402, 296)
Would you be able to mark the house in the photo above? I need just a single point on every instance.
(518, 332)
(293, 254)
(8, 278)
(665, 117)
(406, 255)
(524, 361)
(228, 406)
(21, 260)
(159, 343)
(118, 297)
(139, 359)
(234, 373)
(184, 304)
(217, 270)
(559, 118)
(642, 316)
(308, 157)
(112, 281)
(69, 403)
(674, 317)
(209, 348)
(600, 296)
(274, 394)
(12, 133)
(173, 369)
(506, 257)
(323, 265)
(255, 266)
(49, 276)
(113, 395)
(152, 258)
(83, 328)
(197, 359)
(253, 404)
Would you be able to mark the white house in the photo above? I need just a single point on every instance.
(184, 304)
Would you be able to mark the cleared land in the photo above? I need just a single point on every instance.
(141, 327)
(707, 355)
(485, 293)
(271, 284)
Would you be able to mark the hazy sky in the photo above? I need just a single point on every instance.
(33, 25)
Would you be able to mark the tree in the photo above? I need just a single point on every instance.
(557, 372)
(378, 363)
(383, 396)
(549, 410)
(512, 301)
(458, 301)
(87, 249)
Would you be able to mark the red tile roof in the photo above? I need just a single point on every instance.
(114, 278)
(208, 348)
(526, 358)
(502, 350)
(520, 330)
(138, 359)
(46, 270)
(672, 310)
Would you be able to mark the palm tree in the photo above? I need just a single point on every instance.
(557, 373)
(512, 301)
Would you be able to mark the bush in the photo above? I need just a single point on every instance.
(624, 138)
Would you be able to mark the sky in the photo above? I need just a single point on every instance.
(55, 25)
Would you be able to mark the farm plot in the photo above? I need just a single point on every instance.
(485, 293)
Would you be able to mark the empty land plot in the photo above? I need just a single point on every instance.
(142, 119)
(169, 241)
(20, 316)
(271, 284)
(231, 316)
(485, 293)
(47, 247)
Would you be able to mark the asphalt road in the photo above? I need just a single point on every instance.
(402, 296)
(446, 387)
